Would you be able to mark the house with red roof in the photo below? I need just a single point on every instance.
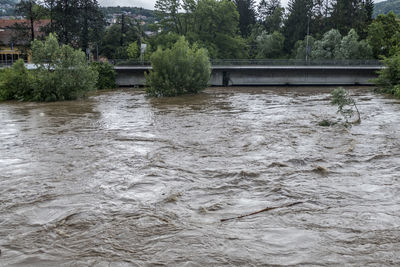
(15, 36)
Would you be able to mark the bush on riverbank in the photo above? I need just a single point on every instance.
(179, 70)
(61, 73)
(16, 83)
(389, 77)
(106, 73)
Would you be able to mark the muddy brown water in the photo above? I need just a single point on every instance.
(122, 180)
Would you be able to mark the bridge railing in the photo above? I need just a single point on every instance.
(267, 62)
(294, 62)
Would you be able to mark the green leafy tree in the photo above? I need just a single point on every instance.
(62, 72)
(118, 37)
(301, 49)
(389, 77)
(384, 35)
(346, 104)
(351, 48)
(326, 48)
(107, 75)
(16, 83)
(270, 45)
(216, 28)
(133, 50)
(179, 70)
(170, 18)
(164, 40)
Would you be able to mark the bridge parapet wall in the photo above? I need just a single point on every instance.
(268, 75)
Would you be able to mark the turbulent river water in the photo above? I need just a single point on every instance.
(119, 179)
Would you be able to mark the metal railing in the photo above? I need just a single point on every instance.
(266, 62)
(293, 62)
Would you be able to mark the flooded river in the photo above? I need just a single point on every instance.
(122, 180)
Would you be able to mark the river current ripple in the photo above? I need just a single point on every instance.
(119, 179)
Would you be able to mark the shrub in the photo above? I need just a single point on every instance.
(178, 70)
(106, 73)
(61, 73)
(389, 77)
(16, 83)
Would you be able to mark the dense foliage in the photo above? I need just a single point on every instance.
(333, 46)
(61, 73)
(106, 75)
(16, 83)
(384, 35)
(389, 77)
(179, 70)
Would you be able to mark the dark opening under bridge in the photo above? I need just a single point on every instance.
(269, 72)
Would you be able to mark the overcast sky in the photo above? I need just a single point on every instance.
(149, 4)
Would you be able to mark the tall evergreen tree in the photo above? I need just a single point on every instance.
(348, 14)
(270, 13)
(247, 15)
(32, 12)
(297, 23)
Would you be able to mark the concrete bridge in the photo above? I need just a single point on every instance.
(276, 73)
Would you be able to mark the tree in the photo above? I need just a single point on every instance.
(91, 23)
(270, 45)
(351, 48)
(270, 13)
(389, 77)
(320, 21)
(326, 48)
(24, 33)
(118, 37)
(182, 69)
(346, 104)
(247, 15)
(350, 14)
(297, 23)
(216, 28)
(133, 50)
(16, 83)
(384, 35)
(168, 13)
(302, 49)
(76, 22)
(62, 73)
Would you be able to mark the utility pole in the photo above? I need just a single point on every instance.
(308, 34)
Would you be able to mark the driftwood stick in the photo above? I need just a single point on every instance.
(263, 210)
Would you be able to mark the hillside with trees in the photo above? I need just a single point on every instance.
(387, 6)
(7, 7)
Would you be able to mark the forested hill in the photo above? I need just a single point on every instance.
(7, 7)
(387, 6)
(133, 10)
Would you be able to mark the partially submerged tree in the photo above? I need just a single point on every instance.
(179, 70)
(346, 105)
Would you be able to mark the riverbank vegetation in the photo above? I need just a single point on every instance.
(60, 73)
(178, 70)
(239, 29)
